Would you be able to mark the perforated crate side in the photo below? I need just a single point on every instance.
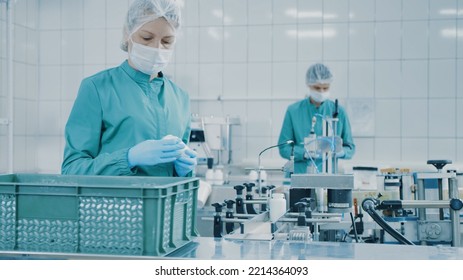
(7, 221)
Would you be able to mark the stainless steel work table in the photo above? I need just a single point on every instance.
(216, 248)
(205, 248)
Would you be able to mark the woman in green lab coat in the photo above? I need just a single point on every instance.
(131, 119)
(297, 123)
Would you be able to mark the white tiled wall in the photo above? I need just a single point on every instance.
(25, 85)
(398, 67)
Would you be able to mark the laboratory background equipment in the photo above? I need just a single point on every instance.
(414, 208)
(211, 138)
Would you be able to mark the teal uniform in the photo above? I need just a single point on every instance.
(117, 109)
(298, 123)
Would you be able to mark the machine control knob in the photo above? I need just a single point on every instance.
(239, 189)
(218, 207)
(249, 187)
(229, 203)
(264, 190)
(439, 164)
(456, 204)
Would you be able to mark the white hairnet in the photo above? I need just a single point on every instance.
(318, 74)
(143, 11)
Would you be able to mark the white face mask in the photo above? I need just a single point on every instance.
(149, 60)
(319, 97)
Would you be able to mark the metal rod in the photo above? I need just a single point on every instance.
(232, 220)
(294, 214)
(316, 233)
(453, 188)
(421, 211)
(441, 197)
(235, 215)
(335, 159)
(454, 214)
(425, 203)
(322, 221)
(229, 220)
(255, 201)
(245, 215)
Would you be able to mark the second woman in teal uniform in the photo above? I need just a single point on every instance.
(297, 122)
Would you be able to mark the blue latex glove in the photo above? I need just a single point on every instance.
(153, 152)
(186, 163)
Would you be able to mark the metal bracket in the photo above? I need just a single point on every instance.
(329, 181)
(435, 231)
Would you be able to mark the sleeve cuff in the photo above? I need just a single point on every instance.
(123, 163)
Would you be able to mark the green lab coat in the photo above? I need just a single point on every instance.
(117, 109)
(298, 123)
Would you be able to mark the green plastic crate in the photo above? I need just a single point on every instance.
(148, 216)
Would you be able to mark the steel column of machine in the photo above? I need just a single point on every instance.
(335, 158)
(454, 214)
(421, 211)
(441, 197)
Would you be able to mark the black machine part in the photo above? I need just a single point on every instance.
(336, 112)
(229, 204)
(197, 135)
(218, 220)
(295, 195)
(239, 200)
(239, 205)
(229, 227)
(249, 187)
(249, 207)
(311, 204)
(370, 205)
(456, 204)
(264, 190)
(263, 207)
(364, 168)
(439, 164)
(218, 208)
(301, 207)
(239, 189)
(339, 200)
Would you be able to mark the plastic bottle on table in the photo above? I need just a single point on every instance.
(210, 176)
(218, 177)
(277, 205)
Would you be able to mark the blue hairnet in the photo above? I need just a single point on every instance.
(318, 74)
(143, 11)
